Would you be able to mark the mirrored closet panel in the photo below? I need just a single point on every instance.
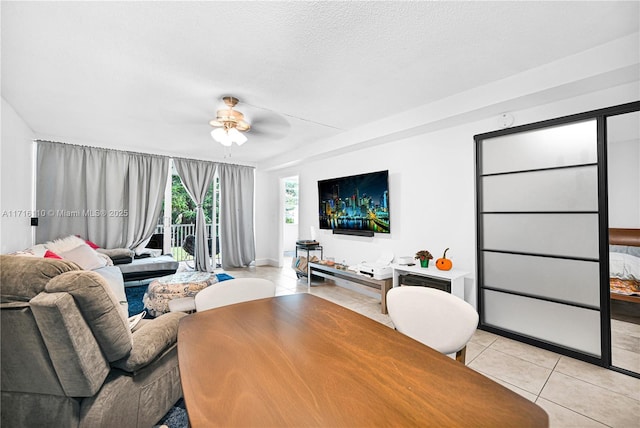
(550, 195)
(623, 185)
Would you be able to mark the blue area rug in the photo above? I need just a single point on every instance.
(223, 277)
(134, 298)
(136, 292)
(176, 417)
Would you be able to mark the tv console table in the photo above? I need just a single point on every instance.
(381, 285)
(454, 276)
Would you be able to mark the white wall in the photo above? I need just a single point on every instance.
(16, 180)
(432, 188)
(289, 236)
(267, 220)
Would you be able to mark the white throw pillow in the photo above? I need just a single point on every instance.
(39, 250)
(624, 266)
(84, 256)
(65, 244)
(616, 265)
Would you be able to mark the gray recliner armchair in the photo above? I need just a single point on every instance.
(68, 356)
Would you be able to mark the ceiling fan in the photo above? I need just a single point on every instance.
(229, 124)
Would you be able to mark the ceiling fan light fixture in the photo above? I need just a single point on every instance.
(221, 136)
(228, 115)
(242, 126)
(228, 124)
(236, 136)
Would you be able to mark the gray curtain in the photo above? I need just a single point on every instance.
(196, 177)
(111, 197)
(236, 215)
(147, 176)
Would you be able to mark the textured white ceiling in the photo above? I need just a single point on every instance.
(148, 76)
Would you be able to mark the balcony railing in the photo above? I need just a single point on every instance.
(178, 234)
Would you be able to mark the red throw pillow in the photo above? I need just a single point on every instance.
(91, 244)
(51, 255)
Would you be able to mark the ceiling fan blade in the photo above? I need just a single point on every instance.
(272, 121)
(269, 133)
(269, 124)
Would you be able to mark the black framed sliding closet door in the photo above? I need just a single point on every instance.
(539, 224)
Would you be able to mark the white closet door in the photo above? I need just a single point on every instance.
(538, 234)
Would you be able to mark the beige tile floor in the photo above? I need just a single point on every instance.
(572, 392)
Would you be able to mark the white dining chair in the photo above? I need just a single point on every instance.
(436, 318)
(234, 291)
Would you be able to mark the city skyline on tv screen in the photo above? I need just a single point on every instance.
(358, 202)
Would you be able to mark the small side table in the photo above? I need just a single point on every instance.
(314, 246)
(308, 248)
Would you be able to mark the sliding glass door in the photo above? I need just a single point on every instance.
(179, 220)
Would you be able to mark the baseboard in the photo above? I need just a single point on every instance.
(267, 262)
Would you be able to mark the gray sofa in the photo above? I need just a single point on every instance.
(135, 268)
(113, 276)
(68, 357)
(147, 268)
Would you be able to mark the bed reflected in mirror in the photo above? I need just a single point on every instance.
(623, 159)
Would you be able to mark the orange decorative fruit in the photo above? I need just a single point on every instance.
(444, 263)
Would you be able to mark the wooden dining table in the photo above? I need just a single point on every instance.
(302, 361)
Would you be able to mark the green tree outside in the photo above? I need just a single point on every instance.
(183, 209)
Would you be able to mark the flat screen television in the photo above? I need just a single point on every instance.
(358, 203)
